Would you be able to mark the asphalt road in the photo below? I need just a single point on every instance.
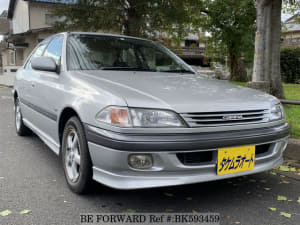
(31, 177)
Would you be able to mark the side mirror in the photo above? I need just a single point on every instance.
(44, 63)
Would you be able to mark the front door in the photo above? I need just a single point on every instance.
(47, 92)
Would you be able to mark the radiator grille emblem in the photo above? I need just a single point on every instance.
(233, 117)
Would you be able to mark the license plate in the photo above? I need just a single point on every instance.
(234, 160)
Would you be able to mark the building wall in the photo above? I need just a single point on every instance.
(4, 58)
(4, 26)
(295, 34)
(32, 41)
(7, 61)
(29, 16)
(20, 20)
(38, 13)
(19, 56)
(8, 65)
(10, 57)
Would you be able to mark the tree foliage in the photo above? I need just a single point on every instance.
(291, 6)
(141, 18)
(231, 24)
(289, 61)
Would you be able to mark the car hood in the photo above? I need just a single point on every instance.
(179, 92)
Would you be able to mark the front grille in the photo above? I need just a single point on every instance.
(207, 157)
(195, 158)
(225, 118)
(261, 149)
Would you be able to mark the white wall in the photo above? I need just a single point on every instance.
(37, 14)
(20, 19)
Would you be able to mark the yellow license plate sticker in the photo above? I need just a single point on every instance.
(234, 160)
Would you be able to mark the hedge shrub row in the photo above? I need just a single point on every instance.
(290, 65)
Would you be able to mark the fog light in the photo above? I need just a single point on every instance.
(140, 161)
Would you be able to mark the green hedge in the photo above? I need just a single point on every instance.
(290, 65)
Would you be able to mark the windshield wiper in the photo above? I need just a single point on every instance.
(177, 71)
(127, 69)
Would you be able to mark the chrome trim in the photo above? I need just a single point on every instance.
(226, 118)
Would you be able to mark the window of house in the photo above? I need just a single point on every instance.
(20, 54)
(12, 57)
(50, 19)
(190, 43)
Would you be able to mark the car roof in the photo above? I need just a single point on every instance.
(103, 34)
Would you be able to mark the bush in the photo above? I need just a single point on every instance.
(290, 64)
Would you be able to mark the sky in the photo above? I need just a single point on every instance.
(3, 5)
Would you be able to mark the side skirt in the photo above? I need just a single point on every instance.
(44, 137)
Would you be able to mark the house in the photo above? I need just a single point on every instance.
(191, 49)
(4, 30)
(4, 23)
(30, 22)
(291, 31)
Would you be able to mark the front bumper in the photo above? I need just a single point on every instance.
(109, 153)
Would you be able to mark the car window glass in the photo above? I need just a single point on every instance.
(54, 49)
(92, 52)
(37, 53)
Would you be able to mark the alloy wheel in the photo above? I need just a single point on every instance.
(72, 156)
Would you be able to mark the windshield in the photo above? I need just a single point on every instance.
(95, 52)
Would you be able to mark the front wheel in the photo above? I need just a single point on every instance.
(75, 157)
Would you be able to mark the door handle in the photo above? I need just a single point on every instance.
(32, 84)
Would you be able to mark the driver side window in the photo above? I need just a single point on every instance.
(37, 53)
(54, 49)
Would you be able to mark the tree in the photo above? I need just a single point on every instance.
(231, 24)
(140, 18)
(229, 21)
(266, 70)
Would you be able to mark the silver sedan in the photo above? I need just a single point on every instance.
(128, 113)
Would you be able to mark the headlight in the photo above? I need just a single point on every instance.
(115, 116)
(154, 118)
(137, 117)
(277, 113)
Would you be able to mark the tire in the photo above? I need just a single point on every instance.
(75, 157)
(21, 129)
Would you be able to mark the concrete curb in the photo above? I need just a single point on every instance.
(6, 86)
(288, 174)
(292, 153)
(290, 102)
